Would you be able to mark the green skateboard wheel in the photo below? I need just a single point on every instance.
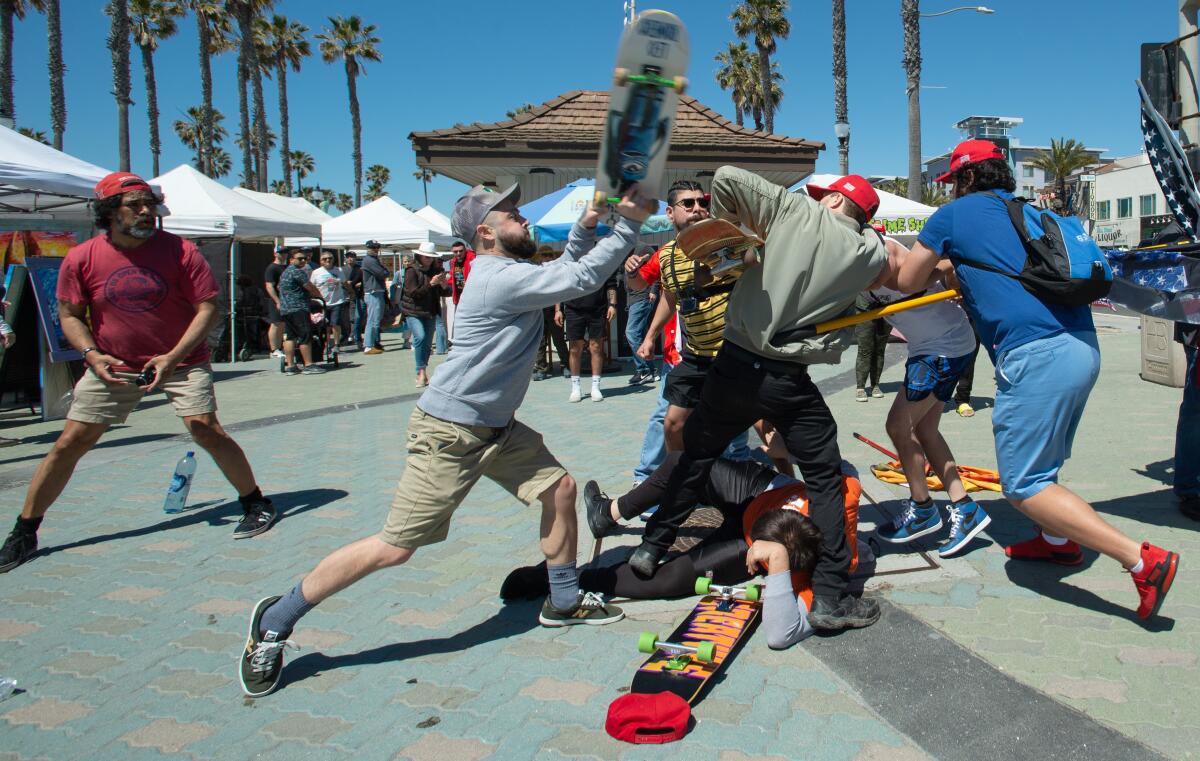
(647, 642)
(753, 592)
(705, 652)
(703, 584)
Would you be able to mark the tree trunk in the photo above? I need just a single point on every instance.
(243, 72)
(909, 17)
(7, 107)
(58, 99)
(756, 113)
(151, 105)
(263, 151)
(737, 112)
(841, 110)
(285, 145)
(356, 127)
(118, 42)
(204, 141)
(299, 185)
(764, 75)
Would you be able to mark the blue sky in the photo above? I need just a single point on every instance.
(472, 60)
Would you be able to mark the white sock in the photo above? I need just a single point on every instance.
(574, 381)
(1057, 541)
(1139, 567)
(595, 381)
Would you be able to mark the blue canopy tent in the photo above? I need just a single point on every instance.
(551, 216)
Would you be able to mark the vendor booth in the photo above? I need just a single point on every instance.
(902, 217)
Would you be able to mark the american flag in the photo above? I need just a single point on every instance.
(1170, 167)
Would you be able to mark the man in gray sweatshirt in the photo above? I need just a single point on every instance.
(463, 427)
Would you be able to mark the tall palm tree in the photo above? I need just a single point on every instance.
(280, 188)
(343, 202)
(244, 12)
(213, 31)
(220, 163)
(841, 110)
(349, 40)
(425, 175)
(759, 103)
(287, 44)
(54, 62)
(191, 133)
(118, 43)
(378, 177)
(766, 21)
(33, 134)
(153, 21)
(736, 75)
(10, 9)
(303, 165)
(910, 17)
(1065, 156)
(260, 65)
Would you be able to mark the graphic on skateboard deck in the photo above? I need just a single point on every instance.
(719, 245)
(649, 76)
(700, 646)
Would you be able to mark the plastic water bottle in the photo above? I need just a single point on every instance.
(181, 484)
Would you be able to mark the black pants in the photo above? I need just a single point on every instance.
(740, 389)
(555, 333)
(962, 393)
(731, 486)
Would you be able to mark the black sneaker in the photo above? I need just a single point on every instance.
(636, 378)
(598, 504)
(849, 612)
(262, 660)
(590, 609)
(526, 583)
(645, 559)
(260, 514)
(17, 548)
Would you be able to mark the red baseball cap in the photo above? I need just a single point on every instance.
(116, 183)
(854, 187)
(659, 717)
(970, 152)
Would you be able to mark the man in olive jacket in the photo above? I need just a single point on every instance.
(815, 262)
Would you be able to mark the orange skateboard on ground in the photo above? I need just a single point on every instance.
(700, 646)
(719, 245)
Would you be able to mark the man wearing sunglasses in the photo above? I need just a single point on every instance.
(134, 299)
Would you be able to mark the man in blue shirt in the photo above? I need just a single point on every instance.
(1046, 359)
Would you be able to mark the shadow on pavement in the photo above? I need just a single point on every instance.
(287, 504)
(49, 438)
(510, 620)
(627, 389)
(1157, 508)
(1162, 471)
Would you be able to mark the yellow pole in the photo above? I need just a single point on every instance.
(900, 306)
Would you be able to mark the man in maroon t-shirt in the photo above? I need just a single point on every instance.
(138, 303)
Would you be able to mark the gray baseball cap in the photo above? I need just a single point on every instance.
(471, 209)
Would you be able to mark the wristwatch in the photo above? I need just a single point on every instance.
(84, 353)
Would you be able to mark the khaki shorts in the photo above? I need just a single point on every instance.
(190, 391)
(446, 459)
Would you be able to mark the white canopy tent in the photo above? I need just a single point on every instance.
(297, 207)
(35, 178)
(900, 215)
(382, 220)
(437, 220)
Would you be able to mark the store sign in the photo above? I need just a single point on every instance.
(903, 225)
(1110, 236)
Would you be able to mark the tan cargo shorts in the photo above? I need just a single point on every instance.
(189, 389)
(444, 462)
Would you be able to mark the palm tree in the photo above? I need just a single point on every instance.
(343, 202)
(153, 21)
(212, 27)
(32, 134)
(378, 177)
(1065, 156)
(911, 19)
(254, 147)
(932, 194)
(425, 175)
(191, 133)
(286, 42)
(352, 42)
(259, 64)
(735, 75)
(521, 109)
(8, 10)
(758, 104)
(766, 21)
(280, 188)
(58, 99)
(220, 163)
(841, 111)
(118, 43)
(243, 12)
(303, 165)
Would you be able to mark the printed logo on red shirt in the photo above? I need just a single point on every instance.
(135, 289)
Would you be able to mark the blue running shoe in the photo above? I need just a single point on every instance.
(966, 520)
(913, 523)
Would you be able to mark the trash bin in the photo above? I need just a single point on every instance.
(1163, 360)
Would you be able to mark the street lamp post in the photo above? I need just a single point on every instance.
(910, 17)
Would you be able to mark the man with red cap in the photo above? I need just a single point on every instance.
(1046, 359)
(138, 303)
(813, 266)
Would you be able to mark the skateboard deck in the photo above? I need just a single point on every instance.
(651, 62)
(717, 244)
(713, 631)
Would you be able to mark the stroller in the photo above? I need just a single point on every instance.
(324, 349)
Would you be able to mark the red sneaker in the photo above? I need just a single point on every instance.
(1038, 548)
(1154, 581)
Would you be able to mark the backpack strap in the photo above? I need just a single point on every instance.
(1016, 215)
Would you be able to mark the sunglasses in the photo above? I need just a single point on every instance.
(690, 203)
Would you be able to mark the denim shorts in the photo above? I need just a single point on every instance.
(930, 374)
(1041, 390)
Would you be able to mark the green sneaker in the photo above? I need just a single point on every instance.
(262, 660)
(589, 609)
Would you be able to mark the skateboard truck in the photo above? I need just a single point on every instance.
(622, 77)
(681, 655)
(751, 592)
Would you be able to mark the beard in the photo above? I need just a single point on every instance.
(136, 231)
(519, 245)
